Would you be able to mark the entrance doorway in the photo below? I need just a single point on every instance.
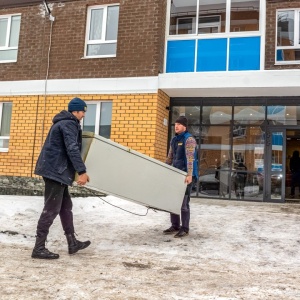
(244, 146)
(282, 165)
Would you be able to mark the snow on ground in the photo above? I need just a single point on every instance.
(235, 250)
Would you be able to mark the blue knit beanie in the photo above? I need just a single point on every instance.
(76, 104)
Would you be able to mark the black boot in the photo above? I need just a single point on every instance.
(75, 245)
(39, 250)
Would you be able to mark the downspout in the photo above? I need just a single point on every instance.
(51, 18)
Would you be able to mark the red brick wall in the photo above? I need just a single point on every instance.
(139, 49)
(271, 24)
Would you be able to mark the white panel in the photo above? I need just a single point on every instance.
(81, 86)
(127, 174)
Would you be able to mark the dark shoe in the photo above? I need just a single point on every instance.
(170, 230)
(75, 245)
(181, 233)
(43, 253)
(292, 196)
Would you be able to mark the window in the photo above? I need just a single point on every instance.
(183, 17)
(214, 16)
(98, 118)
(209, 24)
(244, 15)
(288, 36)
(102, 31)
(5, 119)
(215, 35)
(9, 37)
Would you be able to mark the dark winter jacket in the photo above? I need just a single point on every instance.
(60, 157)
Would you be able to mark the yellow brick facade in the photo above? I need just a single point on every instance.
(137, 122)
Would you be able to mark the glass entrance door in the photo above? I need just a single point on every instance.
(275, 172)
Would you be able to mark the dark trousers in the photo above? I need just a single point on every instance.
(240, 184)
(185, 211)
(57, 201)
(295, 182)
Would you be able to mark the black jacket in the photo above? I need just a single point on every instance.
(60, 157)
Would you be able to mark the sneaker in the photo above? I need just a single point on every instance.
(170, 230)
(181, 233)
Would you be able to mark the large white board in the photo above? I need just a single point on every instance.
(130, 175)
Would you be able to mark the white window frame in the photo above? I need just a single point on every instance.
(98, 111)
(6, 47)
(3, 137)
(104, 25)
(296, 37)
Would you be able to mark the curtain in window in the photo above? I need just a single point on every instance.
(3, 31)
(14, 31)
(112, 23)
(96, 24)
(105, 119)
(6, 119)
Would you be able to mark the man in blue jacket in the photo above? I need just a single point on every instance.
(58, 162)
(182, 156)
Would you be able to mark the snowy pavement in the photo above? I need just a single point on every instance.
(235, 250)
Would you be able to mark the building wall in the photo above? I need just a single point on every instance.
(137, 122)
(271, 24)
(139, 48)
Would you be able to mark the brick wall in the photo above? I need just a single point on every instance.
(137, 122)
(140, 42)
(271, 24)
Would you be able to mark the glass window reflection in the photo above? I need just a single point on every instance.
(244, 15)
(285, 115)
(285, 28)
(216, 115)
(192, 113)
(214, 161)
(183, 17)
(215, 146)
(90, 118)
(249, 115)
(212, 17)
(249, 148)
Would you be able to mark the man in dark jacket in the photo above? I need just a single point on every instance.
(295, 169)
(182, 156)
(58, 162)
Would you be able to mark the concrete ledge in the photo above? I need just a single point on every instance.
(28, 186)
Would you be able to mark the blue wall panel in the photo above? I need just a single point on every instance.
(244, 54)
(181, 56)
(211, 55)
